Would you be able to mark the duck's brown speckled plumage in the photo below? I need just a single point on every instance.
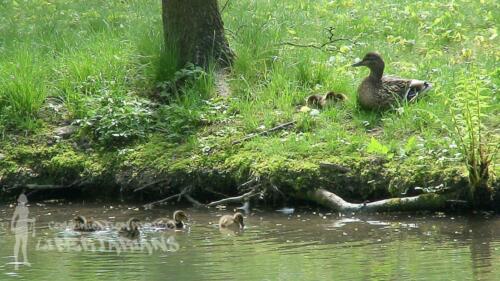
(378, 92)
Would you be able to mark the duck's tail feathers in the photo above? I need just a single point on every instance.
(417, 88)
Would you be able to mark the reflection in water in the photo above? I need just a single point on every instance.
(481, 233)
(273, 246)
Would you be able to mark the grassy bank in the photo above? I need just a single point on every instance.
(102, 67)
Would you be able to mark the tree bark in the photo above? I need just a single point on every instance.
(195, 29)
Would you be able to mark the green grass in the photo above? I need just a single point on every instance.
(73, 52)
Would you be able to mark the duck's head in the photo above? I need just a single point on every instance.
(180, 216)
(133, 223)
(238, 218)
(80, 220)
(372, 60)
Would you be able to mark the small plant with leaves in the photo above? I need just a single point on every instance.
(117, 120)
(467, 109)
(183, 76)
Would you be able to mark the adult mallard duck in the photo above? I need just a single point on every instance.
(233, 221)
(177, 223)
(87, 225)
(378, 92)
(131, 230)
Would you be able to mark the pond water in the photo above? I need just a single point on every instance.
(305, 245)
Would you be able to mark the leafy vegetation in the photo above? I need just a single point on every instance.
(105, 63)
(477, 143)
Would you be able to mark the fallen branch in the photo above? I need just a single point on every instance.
(236, 199)
(277, 128)
(421, 202)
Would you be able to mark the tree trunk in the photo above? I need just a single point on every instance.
(195, 29)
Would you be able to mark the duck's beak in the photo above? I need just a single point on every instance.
(359, 63)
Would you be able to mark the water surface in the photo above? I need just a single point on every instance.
(274, 246)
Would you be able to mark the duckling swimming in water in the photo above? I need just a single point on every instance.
(86, 225)
(177, 223)
(233, 221)
(131, 230)
(378, 92)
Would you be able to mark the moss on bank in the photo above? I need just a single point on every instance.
(173, 167)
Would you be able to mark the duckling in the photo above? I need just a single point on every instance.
(378, 92)
(87, 225)
(177, 223)
(335, 97)
(233, 221)
(319, 101)
(131, 230)
(315, 100)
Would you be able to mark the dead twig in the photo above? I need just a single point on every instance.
(159, 202)
(224, 7)
(34, 186)
(277, 128)
(237, 199)
(150, 184)
(193, 201)
(247, 183)
(331, 40)
(216, 192)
